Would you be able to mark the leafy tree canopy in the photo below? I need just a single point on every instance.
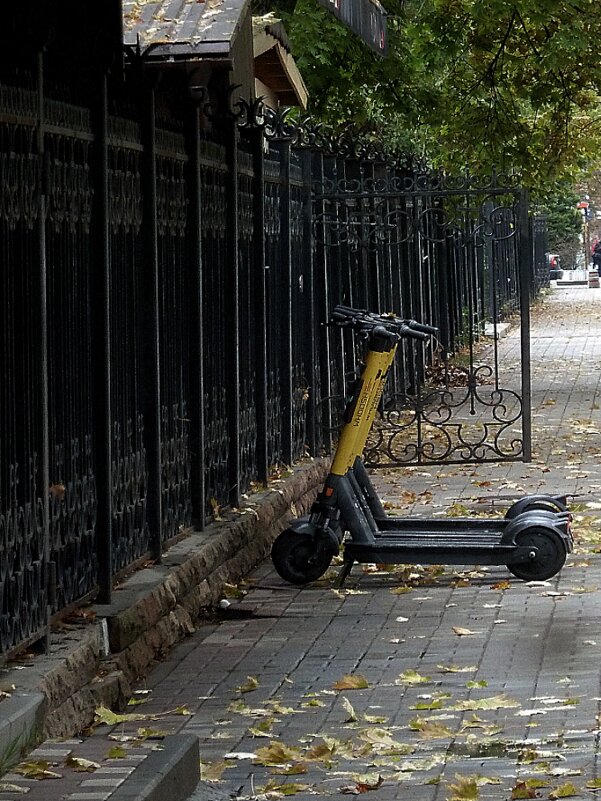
(477, 82)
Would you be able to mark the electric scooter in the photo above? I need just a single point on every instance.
(532, 540)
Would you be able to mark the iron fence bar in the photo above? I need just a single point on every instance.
(232, 327)
(286, 312)
(260, 302)
(42, 333)
(197, 372)
(324, 305)
(101, 346)
(525, 279)
(150, 326)
(309, 338)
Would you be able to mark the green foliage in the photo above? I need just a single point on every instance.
(564, 221)
(468, 82)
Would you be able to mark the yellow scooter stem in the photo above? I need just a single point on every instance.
(365, 405)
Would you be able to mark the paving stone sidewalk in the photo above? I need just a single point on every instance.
(469, 673)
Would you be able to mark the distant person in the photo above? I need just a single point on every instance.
(597, 256)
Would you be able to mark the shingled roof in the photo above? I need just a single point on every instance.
(182, 29)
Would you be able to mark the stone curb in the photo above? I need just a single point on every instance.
(171, 772)
(21, 722)
(155, 608)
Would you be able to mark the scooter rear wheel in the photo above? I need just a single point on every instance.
(298, 559)
(549, 560)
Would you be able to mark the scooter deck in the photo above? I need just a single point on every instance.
(448, 525)
(419, 548)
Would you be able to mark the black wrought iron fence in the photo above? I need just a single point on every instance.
(166, 278)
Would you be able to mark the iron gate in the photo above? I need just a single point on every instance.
(451, 252)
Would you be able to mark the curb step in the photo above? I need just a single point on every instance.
(171, 772)
(21, 722)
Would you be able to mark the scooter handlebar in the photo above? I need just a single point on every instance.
(363, 320)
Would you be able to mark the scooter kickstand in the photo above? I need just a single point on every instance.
(347, 566)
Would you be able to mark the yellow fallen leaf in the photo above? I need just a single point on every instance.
(567, 790)
(116, 752)
(412, 677)
(36, 770)
(274, 790)
(460, 631)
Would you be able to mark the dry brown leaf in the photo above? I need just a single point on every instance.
(355, 682)
(461, 631)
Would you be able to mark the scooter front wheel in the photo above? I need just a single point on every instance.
(550, 558)
(298, 559)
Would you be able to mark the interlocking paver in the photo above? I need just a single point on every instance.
(538, 645)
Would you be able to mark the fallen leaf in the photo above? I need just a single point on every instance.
(492, 702)
(356, 682)
(383, 742)
(276, 753)
(412, 677)
(465, 789)
(116, 752)
(456, 668)
(362, 787)
(36, 770)
(5, 787)
(290, 770)
(80, 764)
(460, 631)
(249, 685)
(429, 730)
(212, 771)
(564, 791)
(274, 790)
(348, 708)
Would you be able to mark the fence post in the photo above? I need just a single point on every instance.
(323, 301)
(101, 338)
(232, 329)
(150, 324)
(525, 279)
(309, 334)
(42, 334)
(256, 135)
(286, 311)
(197, 422)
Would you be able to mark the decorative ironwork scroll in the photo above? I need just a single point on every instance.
(476, 422)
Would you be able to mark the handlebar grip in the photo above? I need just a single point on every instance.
(423, 328)
(414, 333)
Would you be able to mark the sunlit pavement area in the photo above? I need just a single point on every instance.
(413, 683)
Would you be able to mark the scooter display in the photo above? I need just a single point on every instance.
(532, 540)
